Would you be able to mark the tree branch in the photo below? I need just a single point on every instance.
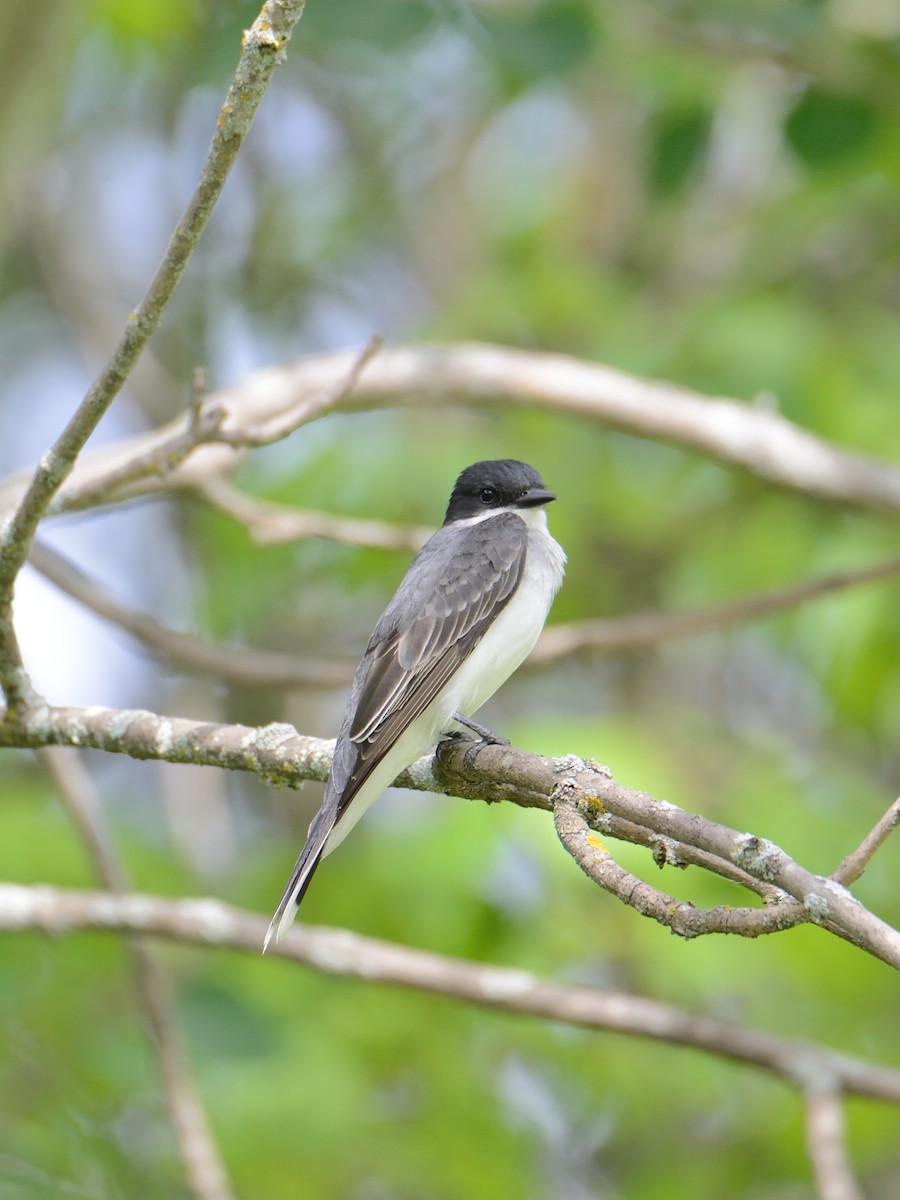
(619, 634)
(751, 437)
(474, 771)
(737, 434)
(583, 844)
(270, 524)
(855, 864)
(205, 1170)
(340, 952)
(263, 49)
(238, 665)
(162, 459)
(826, 1143)
(249, 667)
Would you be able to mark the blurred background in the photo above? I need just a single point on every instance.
(701, 191)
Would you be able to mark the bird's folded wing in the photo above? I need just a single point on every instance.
(441, 611)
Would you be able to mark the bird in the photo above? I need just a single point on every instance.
(466, 614)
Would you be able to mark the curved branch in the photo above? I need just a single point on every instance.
(743, 435)
(751, 437)
(584, 845)
(341, 952)
(618, 634)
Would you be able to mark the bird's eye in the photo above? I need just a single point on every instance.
(488, 494)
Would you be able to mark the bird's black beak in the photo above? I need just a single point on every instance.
(535, 496)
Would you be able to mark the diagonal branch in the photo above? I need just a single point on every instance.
(204, 426)
(855, 864)
(263, 49)
(249, 667)
(203, 1164)
(269, 523)
(341, 952)
(239, 665)
(747, 436)
(619, 634)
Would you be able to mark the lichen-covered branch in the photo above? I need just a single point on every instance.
(585, 846)
(490, 773)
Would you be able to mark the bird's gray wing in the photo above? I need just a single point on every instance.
(456, 586)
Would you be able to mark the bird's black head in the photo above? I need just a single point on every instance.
(501, 483)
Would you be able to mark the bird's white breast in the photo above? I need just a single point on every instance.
(512, 635)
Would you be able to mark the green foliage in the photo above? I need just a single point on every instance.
(702, 192)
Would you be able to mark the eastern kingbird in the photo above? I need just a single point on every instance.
(467, 613)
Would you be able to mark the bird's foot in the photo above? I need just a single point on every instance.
(485, 734)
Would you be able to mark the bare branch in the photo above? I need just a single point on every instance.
(263, 48)
(238, 665)
(206, 1174)
(274, 752)
(852, 867)
(279, 425)
(750, 437)
(525, 777)
(269, 523)
(632, 632)
(161, 459)
(743, 435)
(341, 952)
(149, 469)
(480, 772)
(249, 667)
(826, 1143)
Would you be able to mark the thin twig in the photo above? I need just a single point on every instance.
(205, 424)
(262, 50)
(826, 1143)
(269, 523)
(152, 467)
(205, 1170)
(282, 424)
(341, 952)
(852, 867)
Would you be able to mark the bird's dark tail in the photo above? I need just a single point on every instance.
(301, 877)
